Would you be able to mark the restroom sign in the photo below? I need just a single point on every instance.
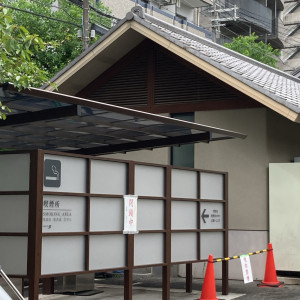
(52, 173)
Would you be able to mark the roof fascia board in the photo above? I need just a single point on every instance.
(46, 114)
(87, 56)
(218, 71)
(205, 137)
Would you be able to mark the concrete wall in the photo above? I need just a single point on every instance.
(271, 138)
(245, 160)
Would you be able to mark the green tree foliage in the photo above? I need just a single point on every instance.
(62, 43)
(260, 51)
(16, 50)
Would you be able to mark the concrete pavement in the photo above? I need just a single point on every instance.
(150, 288)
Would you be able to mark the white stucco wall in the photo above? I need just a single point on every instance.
(270, 138)
(245, 160)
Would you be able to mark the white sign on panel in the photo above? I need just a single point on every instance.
(14, 213)
(211, 215)
(68, 174)
(130, 214)
(64, 213)
(15, 172)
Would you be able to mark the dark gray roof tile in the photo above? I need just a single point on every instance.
(278, 85)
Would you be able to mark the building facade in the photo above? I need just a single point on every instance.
(290, 53)
(149, 65)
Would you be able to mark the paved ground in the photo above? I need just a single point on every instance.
(149, 288)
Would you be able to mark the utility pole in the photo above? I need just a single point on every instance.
(85, 24)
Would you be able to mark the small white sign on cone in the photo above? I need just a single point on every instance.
(246, 267)
(130, 214)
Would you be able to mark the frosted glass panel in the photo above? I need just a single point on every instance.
(150, 214)
(14, 213)
(72, 174)
(149, 181)
(212, 215)
(184, 246)
(106, 214)
(63, 254)
(184, 215)
(107, 251)
(211, 243)
(184, 184)
(148, 249)
(108, 177)
(212, 186)
(64, 214)
(13, 254)
(15, 170)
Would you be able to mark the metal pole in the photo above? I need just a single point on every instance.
(85, 24)
(7, 280)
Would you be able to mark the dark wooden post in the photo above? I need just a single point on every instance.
(128, 274)
(225, 265)
(189, 278)
(35, 222)
(166, 270)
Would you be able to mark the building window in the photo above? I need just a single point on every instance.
(183, 156)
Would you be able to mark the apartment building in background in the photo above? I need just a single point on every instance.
(291, 20)
(273, 21)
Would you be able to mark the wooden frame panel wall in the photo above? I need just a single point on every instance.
(35, 233)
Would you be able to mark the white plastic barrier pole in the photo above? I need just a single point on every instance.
(7, 280)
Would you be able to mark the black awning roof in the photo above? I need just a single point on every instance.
(41, 119)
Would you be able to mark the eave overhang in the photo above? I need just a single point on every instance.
(48, 120)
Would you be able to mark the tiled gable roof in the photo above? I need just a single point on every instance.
(279, 86)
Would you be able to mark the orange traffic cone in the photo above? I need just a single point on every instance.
(270, 271)
(209, 284)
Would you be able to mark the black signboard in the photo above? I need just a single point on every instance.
(52, 173)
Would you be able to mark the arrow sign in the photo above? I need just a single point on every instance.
(203, 216)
